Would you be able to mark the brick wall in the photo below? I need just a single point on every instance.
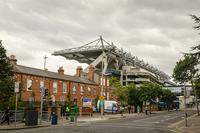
(26, 94)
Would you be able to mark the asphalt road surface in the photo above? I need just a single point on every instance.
(154, 123)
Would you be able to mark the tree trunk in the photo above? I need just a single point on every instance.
(150, 108)
(196, 102)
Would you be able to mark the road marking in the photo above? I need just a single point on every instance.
(135, 126)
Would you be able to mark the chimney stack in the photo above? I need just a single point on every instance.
(13, 61)
(78, 71)
(61, 70)
(91, 73)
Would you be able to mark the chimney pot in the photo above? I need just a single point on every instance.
(78, 71)
(61, 70)
(12, 59)
(91, 73)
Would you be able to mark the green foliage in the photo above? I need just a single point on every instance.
(133, 95)
(122, 94)
(6, 78)
(12, 101)
(114, 82)
(197, 87)
(167, 96)
(120, 91)
(150, 92)
(185, 70)
(196, 49)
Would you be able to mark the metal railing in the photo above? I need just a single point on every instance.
(19, 115)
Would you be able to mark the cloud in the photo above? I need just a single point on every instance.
(156, 31)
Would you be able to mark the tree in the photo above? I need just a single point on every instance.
(197, 27)
(149, 92)
(6, 78)
(133, 95)
(120, 91)
(122, 95)
(168, 97)
(185, 71)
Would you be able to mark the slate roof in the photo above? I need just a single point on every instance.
(54, 75)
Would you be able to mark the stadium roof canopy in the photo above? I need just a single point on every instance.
(102, 54)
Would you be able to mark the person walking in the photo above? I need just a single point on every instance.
(138, 109)
(146, 110)
(6, 116)
(67, 110)
(129, 109)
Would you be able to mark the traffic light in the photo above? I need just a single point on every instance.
(46, 92)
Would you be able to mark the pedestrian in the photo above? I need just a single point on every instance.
(121, 110)
(146, 110)
(176, 108)
(6, 116)
(138, 109)
(67, 110)
(129, 109)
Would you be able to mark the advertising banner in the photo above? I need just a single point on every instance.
(87, 102)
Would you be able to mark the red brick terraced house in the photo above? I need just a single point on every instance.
(59, 85)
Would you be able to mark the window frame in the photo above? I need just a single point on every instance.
(31, 85)
(64, 87)
(55, 88)
(82, 90)
(74, 89)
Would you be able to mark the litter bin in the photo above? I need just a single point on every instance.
(54, 119)
(31, 117)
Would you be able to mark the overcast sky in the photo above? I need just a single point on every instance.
(156, 31)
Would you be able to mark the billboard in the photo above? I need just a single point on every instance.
(87, 102)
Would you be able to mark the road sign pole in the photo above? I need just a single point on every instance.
(42, 91)
(16, 99)
(102, 74)
(41, 105)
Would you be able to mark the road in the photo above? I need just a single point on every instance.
(154, 123)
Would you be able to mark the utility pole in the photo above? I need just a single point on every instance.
(102, 67)
(42, 92)
(185, 111)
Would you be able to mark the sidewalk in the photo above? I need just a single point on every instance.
(98, 117)
(193, 125)
(20, 125)
(80, 119)
(61, 121)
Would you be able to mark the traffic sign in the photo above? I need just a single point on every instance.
(16, 87)
(101, 98)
